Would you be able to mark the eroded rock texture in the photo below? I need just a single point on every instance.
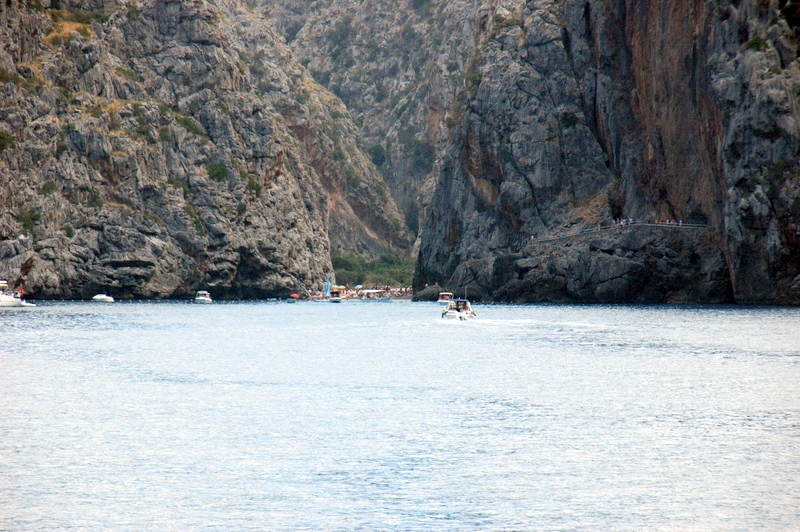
(581, 112)
(160, 147)
(398, 67)
(154, 148)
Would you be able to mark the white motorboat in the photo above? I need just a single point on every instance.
(444, 297)
(12, 298)
(203, 297)
(336, 297)
(458, 309)
(103, 298)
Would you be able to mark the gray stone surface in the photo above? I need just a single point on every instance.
(506, 122)
(398, 66)
(172, 146)
(583, 112)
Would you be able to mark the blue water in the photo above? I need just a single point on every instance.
(375, 416)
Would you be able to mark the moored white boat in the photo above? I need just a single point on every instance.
(12, 298)
(103, 298)
(202, 297)
(444, 297)
(458, 309)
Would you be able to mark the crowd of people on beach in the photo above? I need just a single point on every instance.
(361, 292)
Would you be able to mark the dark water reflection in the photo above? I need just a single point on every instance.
(383, 416)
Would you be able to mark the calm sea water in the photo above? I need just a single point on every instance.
(380, 416)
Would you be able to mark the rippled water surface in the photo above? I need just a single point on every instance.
(384, 416)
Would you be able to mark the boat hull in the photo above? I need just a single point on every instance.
(455, 315)
(12, 298)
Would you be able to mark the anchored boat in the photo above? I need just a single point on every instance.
(12, 298)
(444, 297)
(203, 297)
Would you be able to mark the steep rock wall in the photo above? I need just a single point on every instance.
(582, 112)
(398, 67)
(155, 148)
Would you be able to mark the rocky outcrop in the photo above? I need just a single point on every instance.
(151, 149)
(582, 112)
(638, 264)
(397, 66)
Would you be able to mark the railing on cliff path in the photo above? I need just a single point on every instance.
(617, 227)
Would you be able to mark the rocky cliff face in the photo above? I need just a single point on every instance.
(154, 148)
(151, 149)
(398, 66)
(581, 112)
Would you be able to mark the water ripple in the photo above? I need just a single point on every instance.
(386, 417)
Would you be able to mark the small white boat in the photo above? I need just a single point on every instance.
(12, 298)
(444, 297)
(203, 297)
(103, 298)
(335, 297)
(458, 309)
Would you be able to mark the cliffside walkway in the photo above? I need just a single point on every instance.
(616, 227)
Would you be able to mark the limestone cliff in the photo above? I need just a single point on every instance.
(151, 149)
(582, 112)
(397, 66)
(157, 147)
